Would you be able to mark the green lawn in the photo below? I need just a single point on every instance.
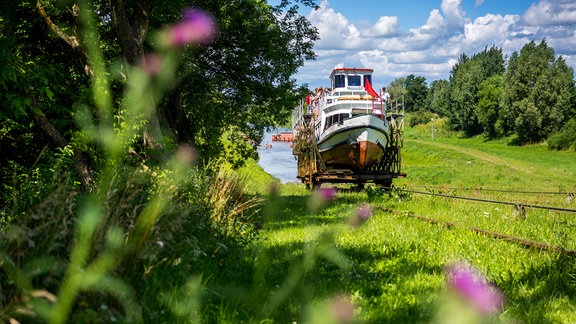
(310, 261)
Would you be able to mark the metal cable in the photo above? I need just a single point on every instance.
(502, 190)
(490, 201)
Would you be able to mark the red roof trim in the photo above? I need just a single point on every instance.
(352, 69)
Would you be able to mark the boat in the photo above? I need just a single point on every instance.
(351, 130)
(282, 137)
(344, 134)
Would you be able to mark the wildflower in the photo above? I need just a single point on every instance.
(328, 194)
(362, 214)
(474, 288)
(185, 154)
(197, 27)
(151, 64)
(321, 198)
(342, 309)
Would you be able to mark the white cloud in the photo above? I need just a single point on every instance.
(454, 13)
(490, 29)
(551, 12)
(386, 26)
(417, 38)
(432, 49)
(334, 29)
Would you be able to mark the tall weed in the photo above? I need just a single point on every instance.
(130, 247)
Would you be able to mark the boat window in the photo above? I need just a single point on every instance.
(367, 77)
(331, 120)
(339, 81)
(354, 80)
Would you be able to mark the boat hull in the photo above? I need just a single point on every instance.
(357, 143)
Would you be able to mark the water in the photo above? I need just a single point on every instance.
(277, 158)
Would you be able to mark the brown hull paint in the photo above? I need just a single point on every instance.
(353, 156)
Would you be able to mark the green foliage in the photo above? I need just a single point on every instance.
(396, 89)
(540, 90)
(416, 93)
(564, 138)
(528, 122)
(246, 73)
(421, 117)
(438, 98)
(136, 220)
(465, 79)
(464, 97)
(489, 110)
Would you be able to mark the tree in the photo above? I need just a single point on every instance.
(416, 92)
(491, 97)
(464, 97)
(438, 98)
(40, 83)
(397, 90)
(242, 80)
(246, 72)
(465, 80)
(538, 87)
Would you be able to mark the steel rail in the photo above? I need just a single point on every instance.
(490, 201)
(501, 190)
(519, 240)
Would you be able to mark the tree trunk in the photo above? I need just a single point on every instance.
(173, 115)
(80, 165)
(132, 26)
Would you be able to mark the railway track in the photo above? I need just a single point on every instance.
(519, 206)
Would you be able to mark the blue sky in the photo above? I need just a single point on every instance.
(426, 37)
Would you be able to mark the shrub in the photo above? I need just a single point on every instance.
(421, 117)
(565, 138)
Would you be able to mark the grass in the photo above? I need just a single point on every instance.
(280, 253)
(305, 256)
(393, 268)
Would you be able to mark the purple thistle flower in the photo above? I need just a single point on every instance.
(328, 194)
(473, 287)
(342, 309)
(151, 64)
(321, 198)
(197, 26)
(363, 213)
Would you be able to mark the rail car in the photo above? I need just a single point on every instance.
(348, 133)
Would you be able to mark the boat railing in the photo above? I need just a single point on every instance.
(297, 113)
(396, 107)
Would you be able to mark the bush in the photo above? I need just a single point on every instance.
(421, 117)
(565, 138)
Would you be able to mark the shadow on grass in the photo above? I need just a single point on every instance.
(543, 292)
(294, 211)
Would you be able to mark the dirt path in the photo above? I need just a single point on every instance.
(517, 165)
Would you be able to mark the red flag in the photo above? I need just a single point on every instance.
(370, 90)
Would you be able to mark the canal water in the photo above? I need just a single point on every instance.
(276, 158)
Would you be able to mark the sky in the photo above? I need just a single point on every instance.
(426, 37)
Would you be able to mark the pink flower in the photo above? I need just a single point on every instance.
(342, 309)
(474, 288)
(328, 194)
(185, 154)
(151, 64)
(197, 26)
(321, 198)
(362, 214)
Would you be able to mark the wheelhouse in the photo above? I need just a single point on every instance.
(351, 78)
